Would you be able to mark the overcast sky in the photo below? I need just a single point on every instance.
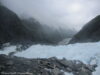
(65, 13)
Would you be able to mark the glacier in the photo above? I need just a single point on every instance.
(78, 51)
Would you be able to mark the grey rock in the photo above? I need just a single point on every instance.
(50, 66)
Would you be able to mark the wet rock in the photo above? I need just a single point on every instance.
(50, 66)
(10, 62)
(84, 71)
(55, 71)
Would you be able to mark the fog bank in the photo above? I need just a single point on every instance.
(65, 13)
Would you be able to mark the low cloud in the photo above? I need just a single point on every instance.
(65, 13)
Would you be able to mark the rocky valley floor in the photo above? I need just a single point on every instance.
(42, 66)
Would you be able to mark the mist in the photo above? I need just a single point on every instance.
(71, 14)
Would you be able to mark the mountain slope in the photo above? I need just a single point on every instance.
(89, 33)
(46, 34)
(11, 28)
(28, 31)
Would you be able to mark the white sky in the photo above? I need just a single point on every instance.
(65, 13)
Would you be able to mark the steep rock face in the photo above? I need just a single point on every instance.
(89, 33)
(11, 28)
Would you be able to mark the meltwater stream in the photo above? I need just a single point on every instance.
(83, 52)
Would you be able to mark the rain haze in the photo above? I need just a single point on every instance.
(65, 13)
(50, 37)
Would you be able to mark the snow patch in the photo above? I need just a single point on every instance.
(7, 50)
